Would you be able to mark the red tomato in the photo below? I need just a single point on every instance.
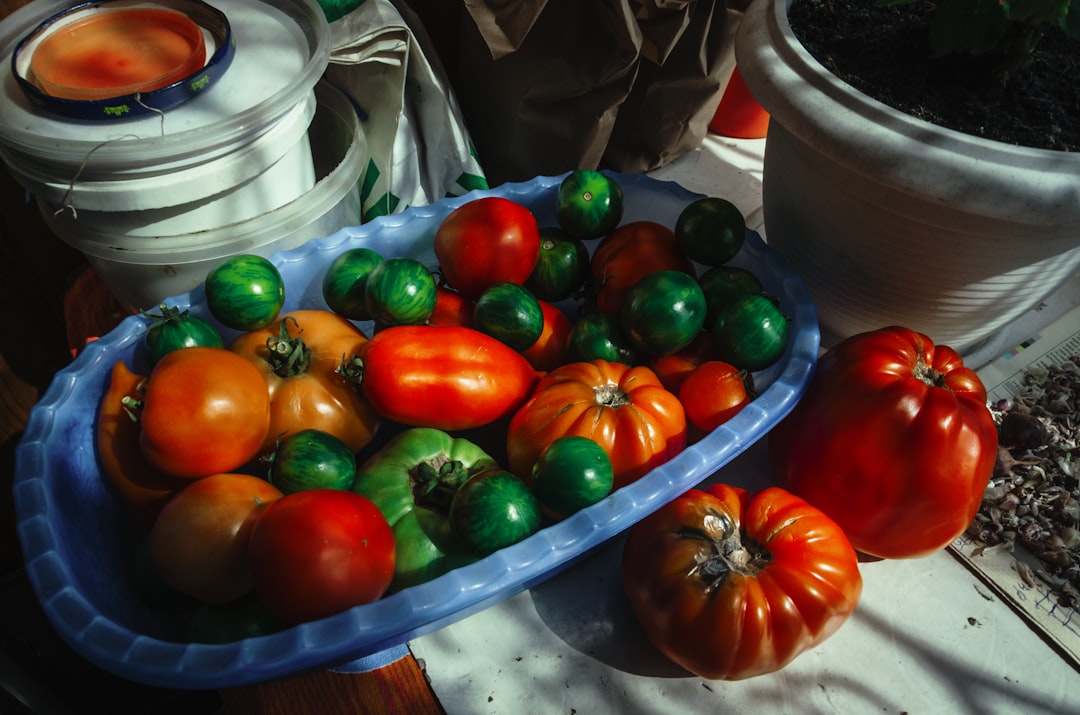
(730, 585)
(549, 350)
(623, 409)
(299, 355)
(713, 393)
(199, 542)
(487, 241)
(673, 369)
(628, 254)
(447, 377)
(893, 440)
(205, 411)
(451, 308)
(318, 552)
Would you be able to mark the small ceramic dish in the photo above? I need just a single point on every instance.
(116, 59)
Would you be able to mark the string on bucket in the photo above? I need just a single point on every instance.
(67, 202)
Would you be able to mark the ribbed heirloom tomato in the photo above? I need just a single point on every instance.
(298, 356)
(893, 440)
(731, 585)
(623, 409)
(205, 410)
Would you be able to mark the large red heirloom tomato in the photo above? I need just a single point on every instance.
(731, 585)
(638, 422)
(893, 440)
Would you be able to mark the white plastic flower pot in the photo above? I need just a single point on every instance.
(893, 220)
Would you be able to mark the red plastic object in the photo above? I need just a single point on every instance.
(111, 53)
(739, 115)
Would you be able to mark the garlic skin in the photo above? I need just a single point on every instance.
(1033, 498)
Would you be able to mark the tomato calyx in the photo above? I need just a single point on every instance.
(288, 356)
(434, 483)
(925, 373)
(166, 314)
(133, 405)
(732, 552)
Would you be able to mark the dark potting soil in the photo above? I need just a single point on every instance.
(884, 53)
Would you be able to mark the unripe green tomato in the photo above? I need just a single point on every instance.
(245, 292)
(494, 509)
(751, 333)
(710, 231)
(663, 312)
(400, 291)
(723, 285)
(562, 267)
(600, 336)
(511, 314)
(345, 282)
(589, 204)
(573, 472)
(312, 459)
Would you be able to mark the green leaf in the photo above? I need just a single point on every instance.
(1037, 12)
(973, 26)
(1071, 24)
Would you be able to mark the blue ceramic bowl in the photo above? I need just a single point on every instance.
(78, 539)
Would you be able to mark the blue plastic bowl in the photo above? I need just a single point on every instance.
(78, 539)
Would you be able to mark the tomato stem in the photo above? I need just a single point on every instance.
(925, 373)
(611, 396)
(434, 482)
(288, 356)
(167, 314)
(732, 552)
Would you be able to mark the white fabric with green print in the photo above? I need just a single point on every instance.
(419, 148)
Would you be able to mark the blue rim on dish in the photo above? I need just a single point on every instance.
(78, 539)
(130, 106)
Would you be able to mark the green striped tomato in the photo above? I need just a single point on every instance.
(245, 292)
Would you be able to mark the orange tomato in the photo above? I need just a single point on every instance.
(298, 356)
(205, 410)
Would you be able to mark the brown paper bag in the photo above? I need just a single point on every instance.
(547, 86)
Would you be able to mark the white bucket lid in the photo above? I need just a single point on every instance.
(282, 50)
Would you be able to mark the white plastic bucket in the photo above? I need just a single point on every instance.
(143, 270)
(232, 154)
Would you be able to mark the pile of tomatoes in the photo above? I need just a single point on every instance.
(308, 466)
